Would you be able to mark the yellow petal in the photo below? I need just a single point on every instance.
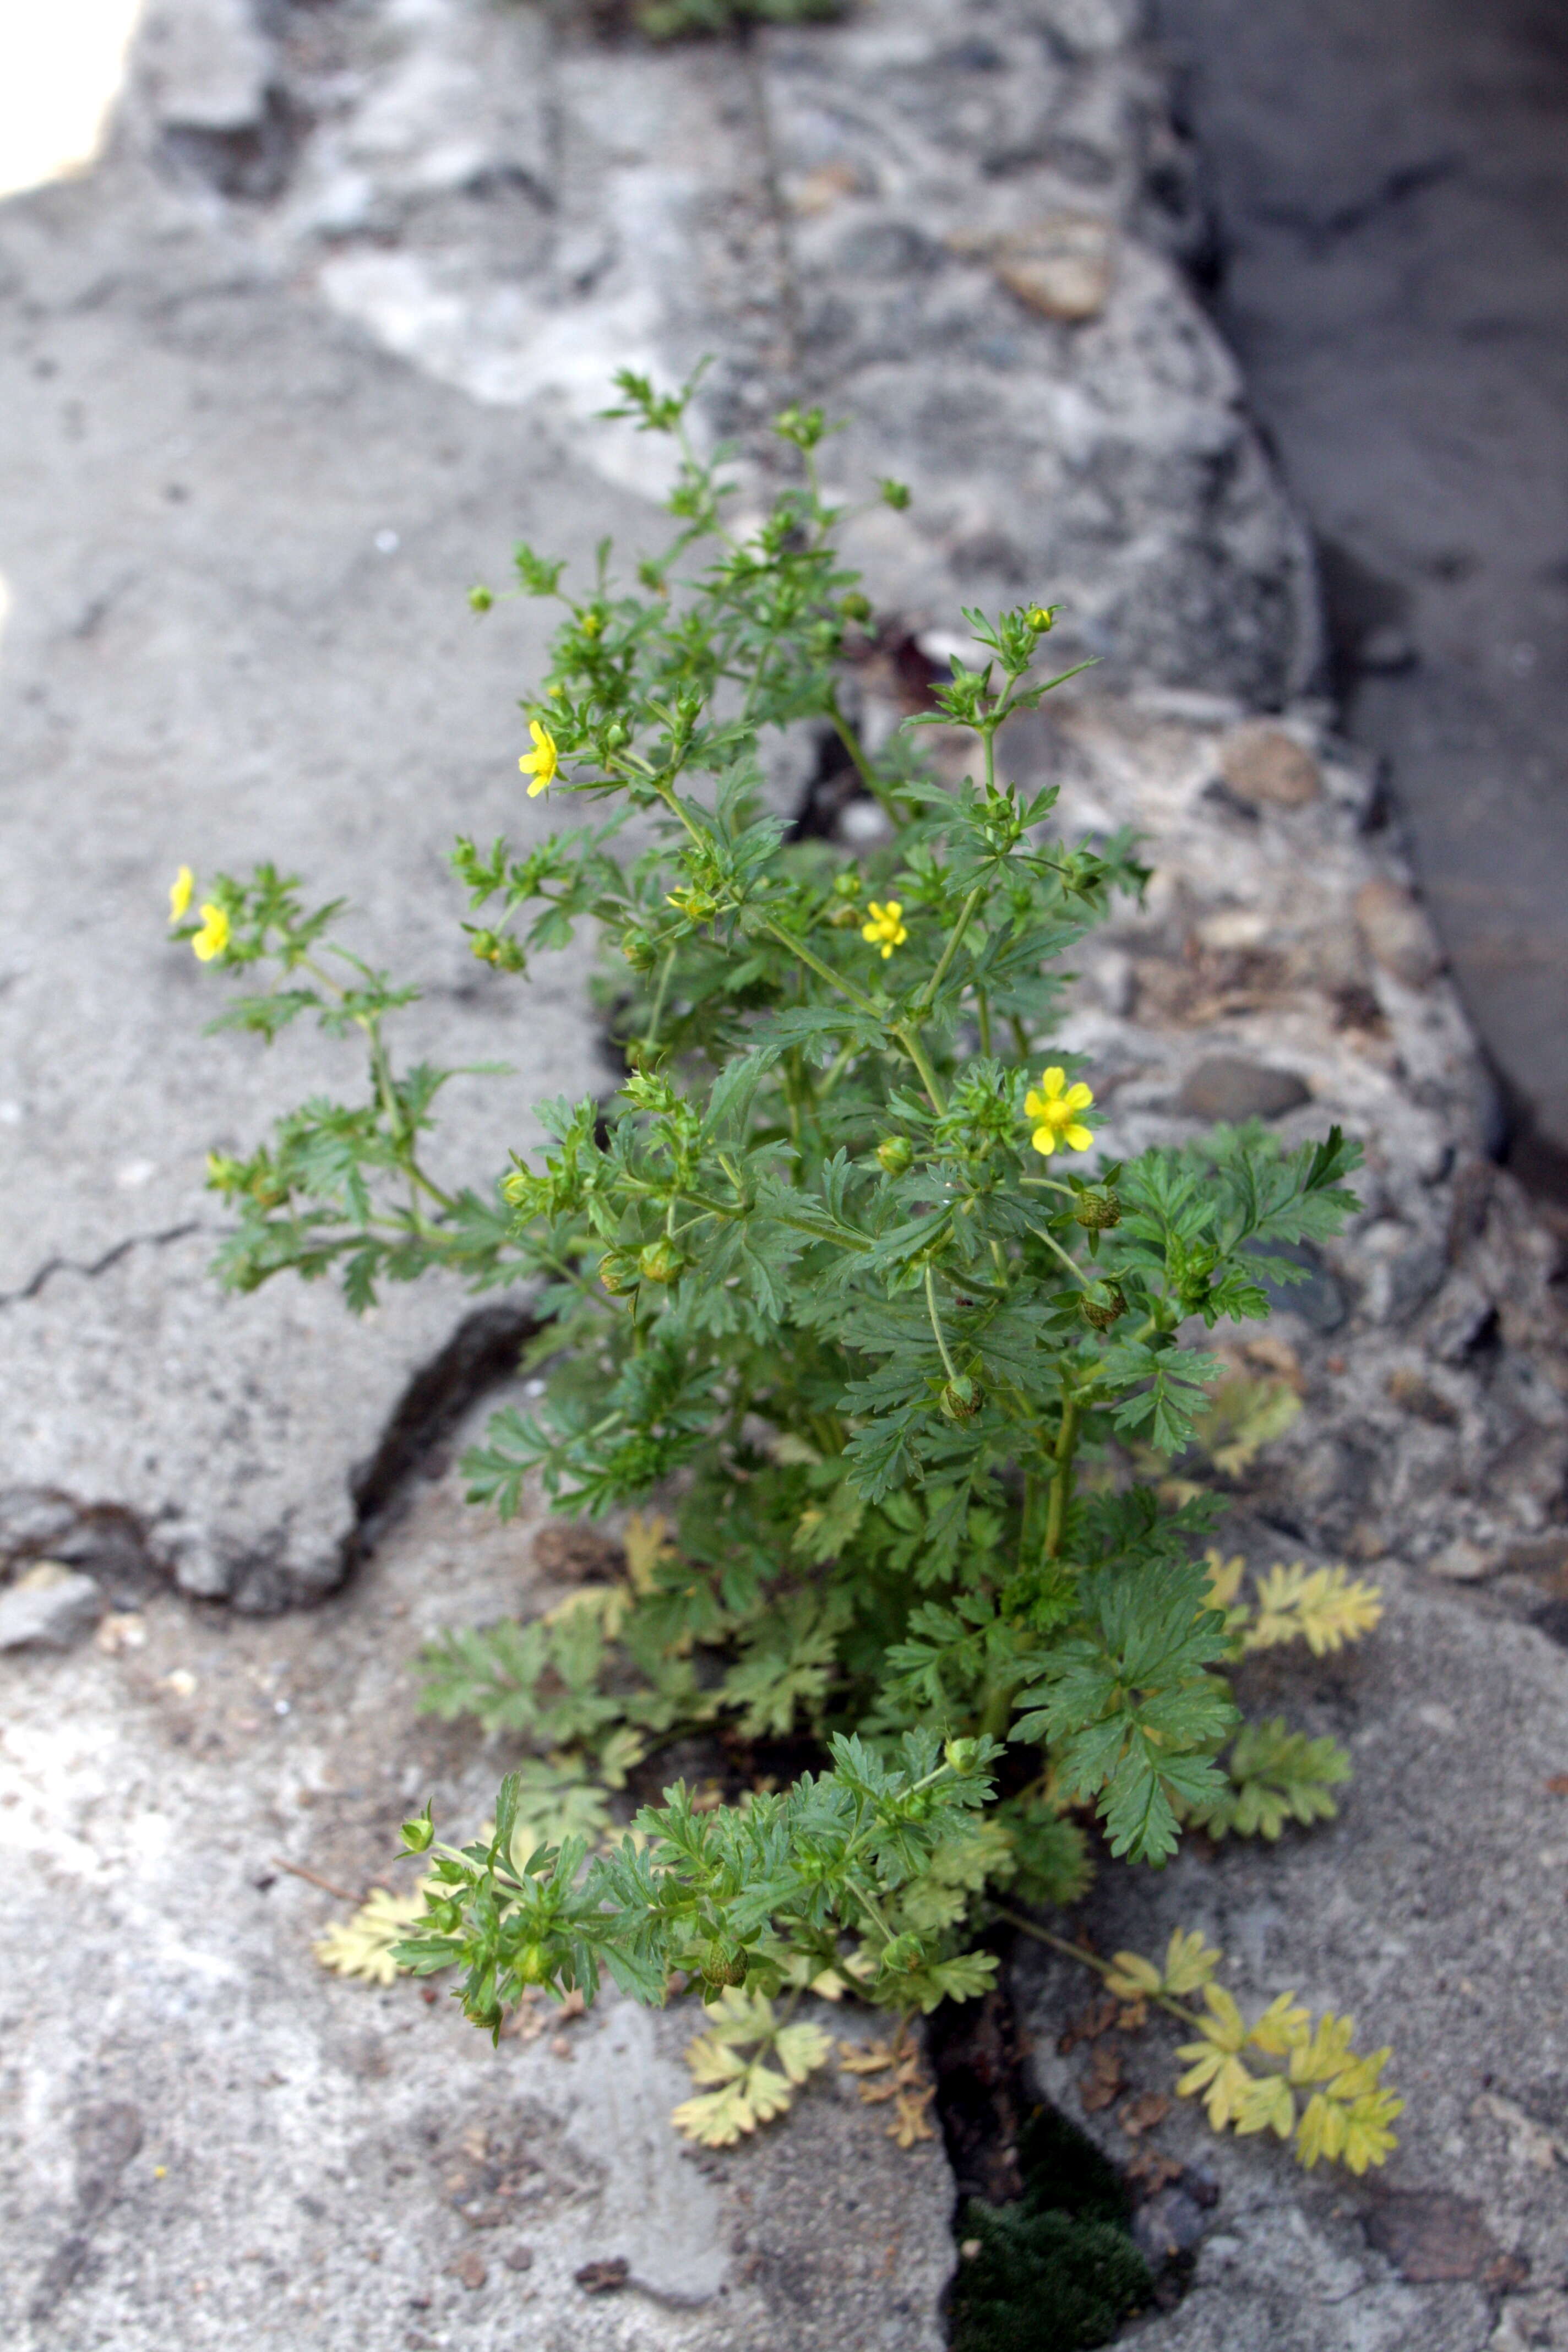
(1078, 1139)
(1077, 1097)
(180, 889)
(1034, 1106)
(1044, 1140)
(1053, 1080)
(893, 910)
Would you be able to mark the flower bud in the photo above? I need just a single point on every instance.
(961, 1399)
(480, 599)
(618, 1272)
(855, 607)
(960, 1754)
(847, 886)
(1101, 1304)
(1097, 1209)
(895, 1153)
(1040, 618)
(659, 1261)
(418, 1835)
(638, 950)
(616, 736)
(724, 1964)
(902, 1954)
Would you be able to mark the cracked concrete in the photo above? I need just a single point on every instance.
(293, 367)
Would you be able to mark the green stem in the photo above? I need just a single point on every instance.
(658, 1013)
(982, 1014)
(860, 764)
(927, 997)
(936, 1322)
(1020, 1038)
(1061, 1478)
(910, 1041)
(1070, 1262)
(1086, 1958)
(824, 970)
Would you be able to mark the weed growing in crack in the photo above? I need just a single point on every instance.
(835, 1281)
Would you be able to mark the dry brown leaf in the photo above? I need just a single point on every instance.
(1104, 2081)
(1141, 2113)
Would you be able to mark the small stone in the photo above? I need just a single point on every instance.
(1167, 2227)
(971, 2250)
(1397, 934)
(576, 1553)
(1459, 1562)
(48, 1608)
(1231, 1087)
(122, 1630)
(604, 2277)
(1266, 768)
(471, 2269)
(518, 2258)
(1416, 1394)
(1062, 268)
(1431, 2234)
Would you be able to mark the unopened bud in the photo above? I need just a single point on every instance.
(1102, 1305)
(960, 1399)
(1097, 1210)
(895, 1153)
(480, 599)
(418, 1834)
(659, 1261)
(638, 950)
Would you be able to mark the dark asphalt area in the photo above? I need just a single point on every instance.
(1389, 181)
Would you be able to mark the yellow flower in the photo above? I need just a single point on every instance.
(884, 928)
(542, 762)
(213, 936)
(1055, 1105)
(180, 889)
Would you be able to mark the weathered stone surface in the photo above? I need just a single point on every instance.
(204, 2122)
(49, 1607)
(1431, 1912)
(1268, 767)
(1227, 1087)
(1397, 932)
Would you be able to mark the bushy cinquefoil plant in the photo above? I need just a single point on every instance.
(835, 1280)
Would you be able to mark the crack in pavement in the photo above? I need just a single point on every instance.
(89, 1272)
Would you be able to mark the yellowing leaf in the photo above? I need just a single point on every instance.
(1245, 1415)
(1324, 1609)
(1189, 1961)
(801, 2049)
(646, 1541)
(1368, 2139)
(1223, 2026)
(715, 2118)
(1226, 2085)
(1327, 2054)
(1130, 1974)
(711, 2063)
(362, 1946)
(1283, 2026)
(1269, 2104)
(1320, 2132)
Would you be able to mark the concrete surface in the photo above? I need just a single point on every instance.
(1391, 187)
(215, 2143)
(1432, 1912)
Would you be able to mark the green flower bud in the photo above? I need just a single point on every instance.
(856, 607)
(960, 1754)
(618, 1272)
(659, 1261)
(1041, 617)
(533, 1964)
(638, 950)
(895, 1153)
(446, 1915)
(1101, 1304)
(724, 1964)
(847, 886)
(961, 1399)
(1097, 1210)
(418, 1834)
(480, 599)
(616, 736)
(901, 1955)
